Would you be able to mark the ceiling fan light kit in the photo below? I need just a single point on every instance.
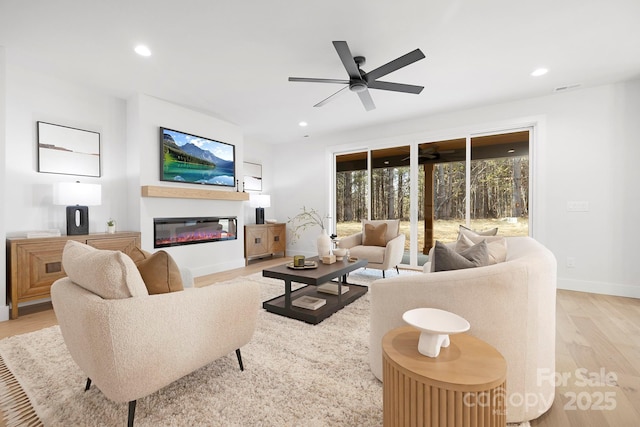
(360, 82)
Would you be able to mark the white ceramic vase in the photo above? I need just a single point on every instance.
(324, 244)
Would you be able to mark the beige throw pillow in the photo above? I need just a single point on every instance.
(469, 232)
(374, 235)
(109, 274)
(496, 246)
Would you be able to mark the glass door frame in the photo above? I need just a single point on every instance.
(535, 125)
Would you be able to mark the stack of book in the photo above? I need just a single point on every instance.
(332, 288)
(53, 232)
(310, 303)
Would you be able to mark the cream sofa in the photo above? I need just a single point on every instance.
(131, 344)
(510, 305)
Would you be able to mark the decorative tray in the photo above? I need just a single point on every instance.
(307, 265)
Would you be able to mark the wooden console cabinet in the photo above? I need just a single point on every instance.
(34, 264)
(264, 240)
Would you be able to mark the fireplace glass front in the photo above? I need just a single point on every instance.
(188, 231)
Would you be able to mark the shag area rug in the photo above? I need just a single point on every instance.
(295, 374)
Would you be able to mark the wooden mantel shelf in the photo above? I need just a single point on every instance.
(191, 193)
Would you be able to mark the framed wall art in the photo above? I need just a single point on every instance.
(252, 177)
(69, 151)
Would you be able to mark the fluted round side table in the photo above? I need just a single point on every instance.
(463, 386)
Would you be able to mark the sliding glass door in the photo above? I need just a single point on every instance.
(499, 187)
(481, 181)
(352, 192)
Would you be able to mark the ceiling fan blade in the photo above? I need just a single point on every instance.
(394, 65)
(396, 87)
(347, 59)
(313, 80)
(329, 98)
(367, 101)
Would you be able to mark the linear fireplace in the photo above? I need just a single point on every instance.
(188, 231)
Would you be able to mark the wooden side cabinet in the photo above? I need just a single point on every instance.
(264, 240)
(34, 264)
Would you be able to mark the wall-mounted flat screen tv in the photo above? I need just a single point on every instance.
(196, 160)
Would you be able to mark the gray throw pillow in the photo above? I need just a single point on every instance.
(446, 259)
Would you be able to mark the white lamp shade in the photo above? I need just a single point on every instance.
(76, 193)
(260, 201)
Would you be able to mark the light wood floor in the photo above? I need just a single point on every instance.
(597, 354)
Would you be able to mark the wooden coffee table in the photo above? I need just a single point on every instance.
(322, 274)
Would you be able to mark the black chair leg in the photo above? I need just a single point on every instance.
(132, 413)
(88, 385)
(239, 356)
(397, 269)
(383, 274)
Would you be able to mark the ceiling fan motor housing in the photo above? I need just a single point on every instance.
(357, 86)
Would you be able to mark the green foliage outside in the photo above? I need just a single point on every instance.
(175, 154)
(499, 191)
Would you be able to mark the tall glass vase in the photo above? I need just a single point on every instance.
(324, 244)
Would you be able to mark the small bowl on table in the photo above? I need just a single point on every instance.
(340, 253)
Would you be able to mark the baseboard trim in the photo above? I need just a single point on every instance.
(217, 268)
(615, 289)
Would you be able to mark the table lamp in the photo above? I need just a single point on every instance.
(77, 197)
(260, 201)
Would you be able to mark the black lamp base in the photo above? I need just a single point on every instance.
(77, 220)
(259, 215)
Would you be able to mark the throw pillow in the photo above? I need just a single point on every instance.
(469, 232)
(160, 273)
(374, 235)
(109, 274)
(446, 259)
(496, 245)
(138, 254)
(393, 227)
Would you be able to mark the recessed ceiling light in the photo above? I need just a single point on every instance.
(302, 124)
(539, 72)
(142, 50)
(511, 151)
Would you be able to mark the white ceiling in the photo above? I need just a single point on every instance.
(232, 58)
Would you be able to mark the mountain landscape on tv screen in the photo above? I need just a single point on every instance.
(190, 163)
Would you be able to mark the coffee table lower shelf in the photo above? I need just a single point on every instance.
(334, 303)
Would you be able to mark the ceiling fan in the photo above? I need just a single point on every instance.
(360, 82)
(430, 153)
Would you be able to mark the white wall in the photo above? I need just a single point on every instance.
(302, 174)
(32, 97)
(587, 151)
(145, 115)
(262, 154)
(4, 309)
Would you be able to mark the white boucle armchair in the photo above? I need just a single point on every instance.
(378, 257)
(510, 305)
(131, 346)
